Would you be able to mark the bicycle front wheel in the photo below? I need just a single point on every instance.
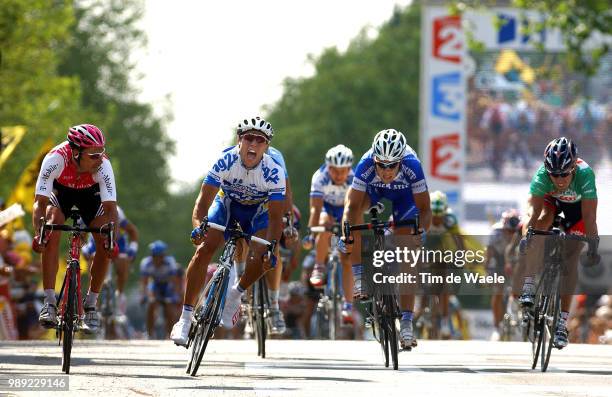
(207, 322)
(391, 329)
(550, 324)
(259, 289)
(68, 322)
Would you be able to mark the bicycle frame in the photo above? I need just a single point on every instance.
(71, 285)
(210, 305)
(383, 311)
(543, 317)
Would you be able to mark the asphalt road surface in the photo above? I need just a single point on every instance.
(313, 368)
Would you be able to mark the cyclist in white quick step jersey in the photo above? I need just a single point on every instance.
(244, 185)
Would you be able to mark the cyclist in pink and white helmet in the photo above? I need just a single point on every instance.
(86, 135)
(76, 173)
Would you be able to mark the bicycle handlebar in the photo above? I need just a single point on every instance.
(334, 229)
(384, 225)
(556, 232)
(242, 234)
(107, 229)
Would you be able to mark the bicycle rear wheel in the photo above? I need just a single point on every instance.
(537, 327)
(68, 322)
(207, 322)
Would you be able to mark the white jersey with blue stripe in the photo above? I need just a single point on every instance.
(160, 274)
(278, 157)
(266, 181)
(410, 175)
(323, 186)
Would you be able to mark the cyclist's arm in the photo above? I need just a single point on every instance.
(50, 169)
(144, 281)
(534, 209)
(203, 202)
(275, 211)
(316, 203)
(132, 231)
(423, 203)
(40, 207)
(288, 199)
(589, 216)
(510, 250)
(110, 210)
(354, 204)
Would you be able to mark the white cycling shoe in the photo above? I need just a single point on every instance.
(180, 332)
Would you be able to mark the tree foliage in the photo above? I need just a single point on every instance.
(34, 36)
(374, 85)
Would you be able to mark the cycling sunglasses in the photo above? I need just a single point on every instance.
(249, 138)
(387, 166)
(96, 156)
(559, 174)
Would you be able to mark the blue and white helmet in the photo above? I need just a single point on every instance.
(389, 146)
(158, 247)
(339, 156)
(255, 123)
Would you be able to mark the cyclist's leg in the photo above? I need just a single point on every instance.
(253, 221)
(319, 272)
(93, 215)
(273, 279)
(151, 318)
(50, 265)
(535, 251)
(169, 315)
(122, 266)
(569, 275)
(402, 211)
(197, 268)
(355, 256)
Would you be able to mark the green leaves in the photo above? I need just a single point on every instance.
(372, 86)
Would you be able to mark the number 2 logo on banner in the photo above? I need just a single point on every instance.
(447, 38)
(446, 157)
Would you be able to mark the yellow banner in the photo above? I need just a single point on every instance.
(23, 192)
(11, 136)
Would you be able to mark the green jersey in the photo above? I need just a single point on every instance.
(581, 187)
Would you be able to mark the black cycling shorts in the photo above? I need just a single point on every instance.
(572, 213)
(86, 200)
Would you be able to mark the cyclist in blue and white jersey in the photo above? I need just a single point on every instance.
(273, 277)
(391, 170)
(127, 242)
(327, 192)
(160, 284)
(245, 185)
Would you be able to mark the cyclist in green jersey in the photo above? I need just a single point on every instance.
(564, 183)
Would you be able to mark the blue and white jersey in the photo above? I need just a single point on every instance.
(410, 175)
(266, 181)
(278, 157)
(323, 186)
(162, 274)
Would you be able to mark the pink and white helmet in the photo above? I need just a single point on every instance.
(86, 135)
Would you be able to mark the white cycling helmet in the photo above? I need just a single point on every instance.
(389, 146)
(339, 156)
(255, 123)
